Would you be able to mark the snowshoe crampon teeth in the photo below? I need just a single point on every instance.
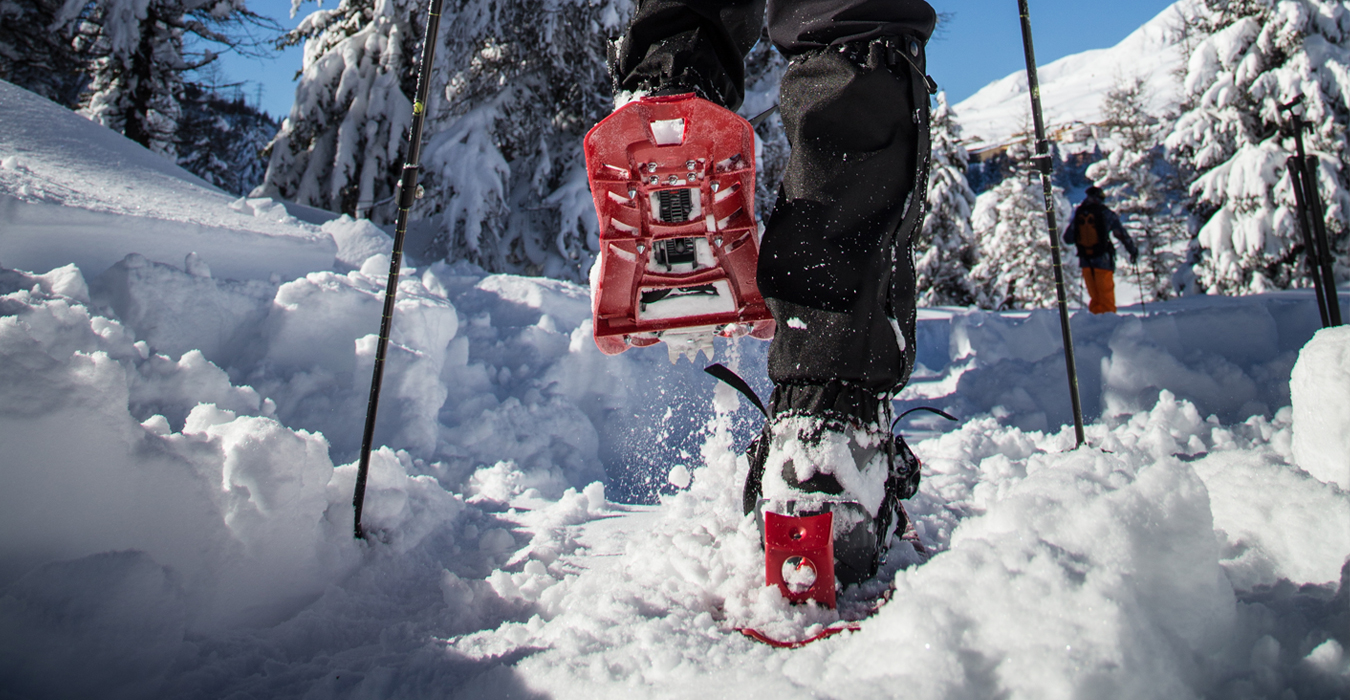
(689, 344)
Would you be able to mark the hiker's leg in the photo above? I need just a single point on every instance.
(688, 46)
(1093, 289)
(836, 264)
(1107, 284)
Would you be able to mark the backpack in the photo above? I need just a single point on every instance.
(1090, 219)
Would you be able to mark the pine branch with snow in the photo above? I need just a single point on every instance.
(945, 247)
(339, 148)
(137, 61)
(1247, 59)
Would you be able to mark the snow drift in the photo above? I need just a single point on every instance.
(72, 191)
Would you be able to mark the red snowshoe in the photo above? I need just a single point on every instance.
(806, 553)
(673, 180)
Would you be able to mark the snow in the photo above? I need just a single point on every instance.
(180, 430)
(1320, 387)
(1072, 87)
(72, 191)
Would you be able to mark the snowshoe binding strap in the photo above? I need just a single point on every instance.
(758, 119)
(929, 409)
(733, 380)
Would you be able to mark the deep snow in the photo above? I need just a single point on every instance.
(178, 455)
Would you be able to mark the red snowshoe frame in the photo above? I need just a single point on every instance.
(799, 556)
(673, 179)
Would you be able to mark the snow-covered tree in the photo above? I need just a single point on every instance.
(222, 139)
(139, 58)
(1015, 269)
(340, 147)
(945, 247)
(1141, 185)
(515, 86)
(527, 80)
(37, 56)
(1246, 58)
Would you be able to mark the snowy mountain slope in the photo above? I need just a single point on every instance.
(74, 191)
(1072, 87)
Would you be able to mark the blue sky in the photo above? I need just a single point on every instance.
(982, 43)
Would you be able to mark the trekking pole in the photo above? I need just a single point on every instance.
(1139, 276)
(1043, 163)
(1303, 176)
(407, 192)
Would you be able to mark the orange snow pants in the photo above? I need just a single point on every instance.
(1101, 286)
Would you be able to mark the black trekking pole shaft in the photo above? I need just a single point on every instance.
(1318, 217)
(1139, 276)
(1043, 164)
(1296, 178)
(407, 193)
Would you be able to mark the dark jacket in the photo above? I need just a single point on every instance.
(1107, 260)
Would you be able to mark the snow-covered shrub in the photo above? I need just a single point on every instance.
(1246, 59)
(945, 247)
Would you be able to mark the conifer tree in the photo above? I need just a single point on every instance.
(1015, 269)
(221, 140)
(1140, 185)
(37, 56)
(138, 60)
(515, 86)
(339, 147)
(945, 248)
(1246, 58)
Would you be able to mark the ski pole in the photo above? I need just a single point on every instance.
(1043, 163)
(1302, 174)
(1139, 276)
(407, 192)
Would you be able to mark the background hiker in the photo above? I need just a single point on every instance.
(1090, 230)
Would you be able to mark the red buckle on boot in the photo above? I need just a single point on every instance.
(799, 556)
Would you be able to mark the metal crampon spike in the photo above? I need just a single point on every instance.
(689, 345)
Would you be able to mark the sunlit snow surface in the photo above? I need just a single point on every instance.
(178, 453)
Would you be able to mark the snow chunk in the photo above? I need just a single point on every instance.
(679, 477)
(1320, 387)
(358, 240)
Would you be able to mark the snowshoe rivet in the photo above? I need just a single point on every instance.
(689, 165)
(655, 179)
(651, 167)
(672, 179)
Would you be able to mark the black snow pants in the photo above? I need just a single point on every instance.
(836, 263)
